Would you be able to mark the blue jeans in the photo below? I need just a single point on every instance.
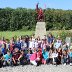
(70, 59)
(7, 63)
(65, 60)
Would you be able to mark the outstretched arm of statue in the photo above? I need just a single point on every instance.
(37, 6)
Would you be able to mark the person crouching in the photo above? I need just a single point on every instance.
(35, 58)
(7, 59)
(22, 58)
(16, 55)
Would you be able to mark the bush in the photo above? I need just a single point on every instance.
(63, 34)
(26, 19)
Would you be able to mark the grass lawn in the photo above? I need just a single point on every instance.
(9, 34)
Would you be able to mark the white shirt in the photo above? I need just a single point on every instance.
(54, 55)
(31, 44)
(57, 45)
(36, 44)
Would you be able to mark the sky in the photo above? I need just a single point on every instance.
(56, 4)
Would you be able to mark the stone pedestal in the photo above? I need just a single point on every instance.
(40, 30)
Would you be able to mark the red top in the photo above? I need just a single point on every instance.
(40, 12)
(33, 56)
(11, 47)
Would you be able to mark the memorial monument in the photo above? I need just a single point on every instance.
(40, 26)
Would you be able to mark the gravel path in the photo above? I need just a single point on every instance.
(42, 68)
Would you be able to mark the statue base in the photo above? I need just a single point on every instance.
(40, 30)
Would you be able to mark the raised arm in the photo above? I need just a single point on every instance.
(37, 7)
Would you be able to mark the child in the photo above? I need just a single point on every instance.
(65, 57)
(1, 59)
(4, 50)
(11, 46)
(70, 55)
(7, 59)
(28, 56)
(55, 56)
(16, 55)
(31, 43)
(59, 50)
(33, 58)
(50, 60)
(22, 58)
(45, 54)
(39, 56)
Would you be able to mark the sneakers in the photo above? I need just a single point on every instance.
(70, 64)
(64, 64)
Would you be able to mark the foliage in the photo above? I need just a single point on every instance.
(62, 33)
(25, 19)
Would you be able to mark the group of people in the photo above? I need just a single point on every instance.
(27, 50)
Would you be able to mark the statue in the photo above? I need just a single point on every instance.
(40, 15)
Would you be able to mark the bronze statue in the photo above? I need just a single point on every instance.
(40, 15)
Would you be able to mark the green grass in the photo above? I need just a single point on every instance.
(9, 34)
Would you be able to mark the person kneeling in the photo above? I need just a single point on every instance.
(16, 55)
(45, 54)
(22, 58)
(7, 59)
(33, 58)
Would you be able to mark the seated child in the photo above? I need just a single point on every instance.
(70, 55)
(50, 60)
(28, 56)
(1, 59)
(65, 57)
(22, 58)
(16, 55)
(55, 56)
(45, 54)
(39, 56)
(7, 59)
(33, 58)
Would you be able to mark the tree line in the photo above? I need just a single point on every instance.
(26, 19)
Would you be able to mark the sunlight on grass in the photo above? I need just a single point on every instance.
(9, 34)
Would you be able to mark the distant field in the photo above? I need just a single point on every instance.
(9, 34)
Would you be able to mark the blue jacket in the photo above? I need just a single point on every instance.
(45, 54)
(70, 54)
